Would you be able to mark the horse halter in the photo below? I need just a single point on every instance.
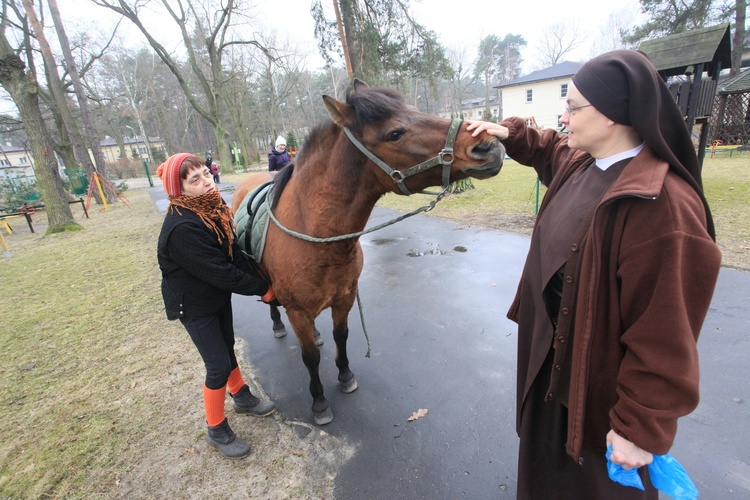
(444, 158)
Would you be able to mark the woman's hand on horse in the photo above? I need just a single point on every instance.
(491, 128)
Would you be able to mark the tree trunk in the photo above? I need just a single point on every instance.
(738, 41)
(344, 44)
(23, 89)
(88, 122)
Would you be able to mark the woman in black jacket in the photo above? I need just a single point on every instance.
(201, 267)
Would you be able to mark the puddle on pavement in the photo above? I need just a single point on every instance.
(385, 241)
(435, 251)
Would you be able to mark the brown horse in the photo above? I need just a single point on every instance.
(376, 144)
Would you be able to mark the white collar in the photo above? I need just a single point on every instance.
(605, 163)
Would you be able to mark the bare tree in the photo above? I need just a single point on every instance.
(92, 135)
(610, 35)
(57, 92)
(558, 41)
(208, 33)
(462, 78)
(24, 90)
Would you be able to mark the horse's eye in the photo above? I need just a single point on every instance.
(395, 135)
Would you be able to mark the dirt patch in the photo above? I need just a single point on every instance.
(289, 459)
(512, 223)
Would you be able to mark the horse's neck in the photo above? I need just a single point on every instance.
(334, 193)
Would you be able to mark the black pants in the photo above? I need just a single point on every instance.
(214, 338)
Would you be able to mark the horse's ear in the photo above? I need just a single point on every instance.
(358, 85)
(340, 112)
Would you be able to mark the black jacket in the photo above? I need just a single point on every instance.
(198, 276)
(277, 160)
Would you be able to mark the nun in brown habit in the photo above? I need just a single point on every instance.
(619, 276)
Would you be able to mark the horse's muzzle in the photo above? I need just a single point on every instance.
(493, 151)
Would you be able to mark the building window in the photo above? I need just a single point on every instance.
(529, 95)
(494, 111)
(5, 163)
(23, 160)
(563, 91)
(559, 124)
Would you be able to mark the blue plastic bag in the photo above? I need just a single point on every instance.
(667, 475)
(620, 475)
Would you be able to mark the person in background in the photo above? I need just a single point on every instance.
(278, 158)
(618, 280)
(215, 172)
(202, 265)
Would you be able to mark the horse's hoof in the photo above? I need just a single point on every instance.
(317, 337)
(324, 417)
(349, 386)
(280, 333)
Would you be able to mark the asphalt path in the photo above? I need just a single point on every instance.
(435, 294)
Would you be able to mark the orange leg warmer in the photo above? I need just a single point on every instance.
(213, 402)
(235, 382)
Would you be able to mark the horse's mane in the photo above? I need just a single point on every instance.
(374, 104)
(371, 105)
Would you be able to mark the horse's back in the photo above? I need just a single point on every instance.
(246, 185)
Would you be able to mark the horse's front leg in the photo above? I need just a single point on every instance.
(340, 336)
(303, 326)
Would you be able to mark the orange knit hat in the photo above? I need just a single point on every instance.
(169, 173)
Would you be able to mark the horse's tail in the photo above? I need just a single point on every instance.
(280, 181)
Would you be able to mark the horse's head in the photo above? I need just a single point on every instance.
(414, 149)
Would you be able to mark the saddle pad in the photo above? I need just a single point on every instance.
(251, 220)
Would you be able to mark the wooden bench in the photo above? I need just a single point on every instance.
(729, 148)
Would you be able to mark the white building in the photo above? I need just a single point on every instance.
(15, 162)
(539, 96)
(473, 109)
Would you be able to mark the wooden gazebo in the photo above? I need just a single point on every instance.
(682, 60)
(731, 121)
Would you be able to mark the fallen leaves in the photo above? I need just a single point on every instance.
(418, 414)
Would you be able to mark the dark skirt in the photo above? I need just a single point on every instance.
(546, 471)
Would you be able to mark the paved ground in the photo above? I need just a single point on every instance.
(435, 295)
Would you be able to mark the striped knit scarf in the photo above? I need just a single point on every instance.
(212, 210)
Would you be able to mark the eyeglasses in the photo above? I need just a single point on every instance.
(572, 109)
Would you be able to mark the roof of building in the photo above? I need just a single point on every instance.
(673, 54)
(562, 70)
(737, 84)
(6, 148)
(478, 102)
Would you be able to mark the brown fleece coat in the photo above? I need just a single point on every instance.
(636, 290)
